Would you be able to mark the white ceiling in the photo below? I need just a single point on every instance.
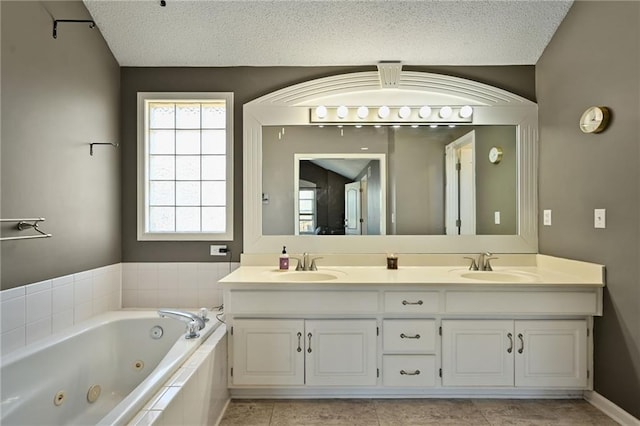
(329, 32)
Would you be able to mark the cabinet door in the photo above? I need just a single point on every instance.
(340, 352)
(551, 353)
(477, 353)
(268, 352)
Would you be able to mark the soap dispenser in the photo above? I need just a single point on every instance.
(284, 259)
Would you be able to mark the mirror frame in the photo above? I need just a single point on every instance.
(290, 106)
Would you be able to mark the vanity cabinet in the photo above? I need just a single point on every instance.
(521, 353)
(285, 352)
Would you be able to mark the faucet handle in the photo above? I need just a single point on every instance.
(313, 266)
(487, 265)
(299, 265)
(474, 265)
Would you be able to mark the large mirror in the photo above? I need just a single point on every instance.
(419, 196)
(388, 181)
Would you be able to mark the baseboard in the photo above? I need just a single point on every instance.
(610, 409)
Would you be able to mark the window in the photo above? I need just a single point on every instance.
(307, 211)
(185, 153)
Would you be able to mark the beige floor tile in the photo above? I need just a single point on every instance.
(359, 412)
(248, 413)
(428, 412)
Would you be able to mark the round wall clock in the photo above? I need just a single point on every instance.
(495, 155)
(595, 119)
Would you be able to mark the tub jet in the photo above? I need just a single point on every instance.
(93, 393)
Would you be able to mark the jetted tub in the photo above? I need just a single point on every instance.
(102, 371)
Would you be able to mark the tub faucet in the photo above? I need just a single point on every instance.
(194, 322)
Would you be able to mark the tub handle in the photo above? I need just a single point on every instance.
(299, 337)
(309, 346)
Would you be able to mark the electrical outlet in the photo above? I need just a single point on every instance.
(599, 218)
(218, 250)
(496, 218)
(546, 217)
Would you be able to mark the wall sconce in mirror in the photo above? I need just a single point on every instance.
(377, 115)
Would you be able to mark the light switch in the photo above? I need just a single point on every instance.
(496, 218)
(546, 217)
(599, 218)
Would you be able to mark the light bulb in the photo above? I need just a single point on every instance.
(383, 111)
(363, 112)
(342, 111)
(445, 112)
(466, 111)
(433, 126)
(321, 111)
(404, 112)
(424, 112)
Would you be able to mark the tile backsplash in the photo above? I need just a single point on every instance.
(37, 310)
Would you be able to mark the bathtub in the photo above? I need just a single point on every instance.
(100, 372)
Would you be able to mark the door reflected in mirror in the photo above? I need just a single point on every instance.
(388, 181)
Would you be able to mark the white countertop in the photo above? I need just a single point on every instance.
(541, 271)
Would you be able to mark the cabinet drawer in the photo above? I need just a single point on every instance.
(409, 370)
(275, 302)
(409, 335)
(411, 302)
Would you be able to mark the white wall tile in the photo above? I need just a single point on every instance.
(38, 330)
(38, 305)
(167, 298)
(187, 276)
(102, 285)
(130, 276)
(100, 305)
(82, 311)
(40, 286)
(13, 313)
(167, 276)
(60, 281)
(129, 298)
(62, 297)
(115, 300)
(84, 275)
(12, 293)
(187, 299)
(61, 320)
(147, 299)
(208, 298)
(148, 276)
(12, 340)
(82, 291)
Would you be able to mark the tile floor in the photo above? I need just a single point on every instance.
(397, 412)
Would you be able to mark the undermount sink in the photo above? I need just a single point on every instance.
(500, 276)
(293, 276)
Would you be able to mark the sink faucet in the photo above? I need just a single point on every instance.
(307, 263)
(194, 322)
(482, 264)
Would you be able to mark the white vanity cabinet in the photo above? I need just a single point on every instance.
(521, 353)
(285, 352)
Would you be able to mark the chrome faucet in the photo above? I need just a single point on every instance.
(483, 262)
(194, 322)
(307, 263)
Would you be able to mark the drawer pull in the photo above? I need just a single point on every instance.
(406, 373)
(521, 343)
(419, 302)
(404, 336)
(299, 336)
(510, 336)
(309, 347)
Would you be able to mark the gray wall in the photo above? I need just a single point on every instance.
(594, 59)
(57, 96)
(247, 83)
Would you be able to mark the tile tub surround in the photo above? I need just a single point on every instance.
(35, 311)
(367, 412)
(175, 285)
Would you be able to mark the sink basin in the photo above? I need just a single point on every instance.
(498, 276)
(306, 276)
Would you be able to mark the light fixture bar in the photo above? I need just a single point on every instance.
(390, 114)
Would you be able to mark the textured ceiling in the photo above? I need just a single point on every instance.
(331, 32)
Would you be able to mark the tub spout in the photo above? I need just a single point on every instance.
(194, 322)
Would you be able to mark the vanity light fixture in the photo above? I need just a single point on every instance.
(321, 112)
(396, 126)
(433, 126)
(452, 125)
(466, 111)
(425, 111)
(377, 126)
(363, 112)
(358, 126)
(342, 111)
(384, 111)
(445, 112)
(404, 112)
